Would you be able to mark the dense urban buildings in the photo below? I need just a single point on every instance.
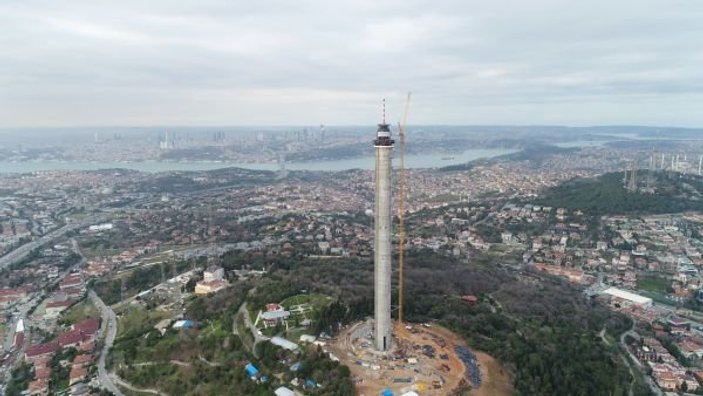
(165, 251)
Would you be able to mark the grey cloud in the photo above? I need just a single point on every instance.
(309, 62)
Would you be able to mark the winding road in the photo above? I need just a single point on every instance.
(254, 331)
(135, 389)
(632, 358)
(109, 327)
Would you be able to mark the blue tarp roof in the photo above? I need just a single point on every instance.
(183, 324)
(387, 392)
(251, 370)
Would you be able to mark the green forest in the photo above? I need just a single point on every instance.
(606, 195)
(210, 359)
(542, 329)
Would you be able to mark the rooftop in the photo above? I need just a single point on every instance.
(626, 295)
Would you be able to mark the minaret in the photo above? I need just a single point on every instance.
(650, 172)
(382, 237)
(633, 178)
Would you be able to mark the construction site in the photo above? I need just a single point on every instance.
(425, 360)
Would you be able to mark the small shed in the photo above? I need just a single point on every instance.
(183, 324)
(251, 370)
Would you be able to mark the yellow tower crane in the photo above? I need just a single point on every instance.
(401, 209)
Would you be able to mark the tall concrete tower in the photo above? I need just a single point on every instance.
(382, 239)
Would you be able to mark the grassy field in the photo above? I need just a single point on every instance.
(656, 284)
(312, 304)
(305, 306)
(317, 301)
(80, 311)
(294, 335)
(136, 317)
(659, 298)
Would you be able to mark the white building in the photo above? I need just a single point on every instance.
(213, 272)
(205, 287)
(283, 343)
(629, 297)
(283, 391)
(275, 317)
(101, 227)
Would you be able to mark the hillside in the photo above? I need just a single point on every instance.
(605, 195)
(534, 153)
(534, 331)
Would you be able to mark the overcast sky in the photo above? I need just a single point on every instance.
(284, 62)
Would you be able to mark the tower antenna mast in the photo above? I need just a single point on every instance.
(401, 208)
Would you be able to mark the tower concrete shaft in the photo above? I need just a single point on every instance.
(382, 240)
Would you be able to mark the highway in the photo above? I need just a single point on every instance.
(22, 251)
(109, 328)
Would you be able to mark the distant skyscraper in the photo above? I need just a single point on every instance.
(382, 237)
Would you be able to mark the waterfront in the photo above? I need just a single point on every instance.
(412, 161)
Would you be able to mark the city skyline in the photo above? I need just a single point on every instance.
(216, 63)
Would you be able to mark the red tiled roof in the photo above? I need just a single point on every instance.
(72, 337)
(13, 292)
(71, 279)
(42, 349)
(41, 361)
(469, 298)
(59, 304)
(77, 373)
(38, 385)
(87, 346)
(19, 339)
(42, 373)
(72, 291)
(82, 359)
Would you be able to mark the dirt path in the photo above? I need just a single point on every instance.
(133, 388)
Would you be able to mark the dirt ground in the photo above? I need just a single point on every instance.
(495, 380)
(375, 373)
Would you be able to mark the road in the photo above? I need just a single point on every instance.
(254, 331)
(650, 382)
(109, 328)
(22, 251)
(135, 389)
